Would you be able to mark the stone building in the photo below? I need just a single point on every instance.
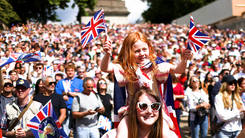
(115, 12)
(221, 13)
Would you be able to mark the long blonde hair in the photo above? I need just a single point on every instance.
(226, 98)
(126, 56)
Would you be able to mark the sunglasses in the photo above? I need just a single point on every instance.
(195, 80)
(8, 84)
(102, 82)
(38, 67)
(233, 82)
(51, 83)
(144, 106)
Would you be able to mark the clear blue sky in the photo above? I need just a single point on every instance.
(69, 15)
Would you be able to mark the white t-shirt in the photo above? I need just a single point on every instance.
(192, 100)
(239, 75)
(86, 102)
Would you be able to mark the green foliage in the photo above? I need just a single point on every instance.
(164, 11)
(7, 14)
(82, 5)
(38, 10)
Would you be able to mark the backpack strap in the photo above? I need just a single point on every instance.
(20, 116)
(78, 99)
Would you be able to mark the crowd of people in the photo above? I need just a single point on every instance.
(81, 80)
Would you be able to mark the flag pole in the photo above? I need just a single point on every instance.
(188, 38)
(105, 25)
(1, 133)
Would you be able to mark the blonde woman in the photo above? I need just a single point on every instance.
(229, 108)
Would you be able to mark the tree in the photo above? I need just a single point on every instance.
(90, 4)
(7, 13)
(164, 11)
(44, 10)
(38, 10)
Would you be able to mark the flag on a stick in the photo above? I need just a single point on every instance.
(104, 123)
(45, 123)
(22, 58)
(96, 25)
(196, 39)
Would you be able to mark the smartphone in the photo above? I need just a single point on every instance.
(96, 108)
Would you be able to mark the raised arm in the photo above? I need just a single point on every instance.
(1, 79)
(29, 72)
(180, 68)
(106, 59)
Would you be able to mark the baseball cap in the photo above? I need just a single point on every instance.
(228, 78)
(205, 64)
(22, 82)
(223, 70)
(45, 59)
(234, 46)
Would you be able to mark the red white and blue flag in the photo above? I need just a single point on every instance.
(196, 39)
(46, 124)
(22, 58)
(104, 123)
(96, 25)
(166, 92)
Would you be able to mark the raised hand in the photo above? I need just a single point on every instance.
(187, 54)
(107, 46)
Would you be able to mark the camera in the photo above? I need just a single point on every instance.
(202, 111)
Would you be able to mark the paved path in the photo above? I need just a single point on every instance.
(185, 129)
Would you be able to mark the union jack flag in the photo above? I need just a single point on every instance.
(96, 25)
(166, 92)
(104, 123)
(196, 39)
(46, 119)
(22, 58)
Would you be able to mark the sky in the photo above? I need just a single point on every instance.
(69, 15)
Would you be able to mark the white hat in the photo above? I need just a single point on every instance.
(45, 59)
(243, 50)
(234, 46)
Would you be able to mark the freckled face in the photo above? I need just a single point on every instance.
(141, 52)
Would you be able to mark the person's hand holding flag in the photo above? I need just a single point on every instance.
(107, 46)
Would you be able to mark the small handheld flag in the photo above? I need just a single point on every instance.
(20, 57)
(104, 123)
(96, 25)
(196, 39)
(45, 123)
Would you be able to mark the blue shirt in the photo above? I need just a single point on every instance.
(243, 98)
(76, 85)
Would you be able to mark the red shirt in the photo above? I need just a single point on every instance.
(182, 80)
(178, 90)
